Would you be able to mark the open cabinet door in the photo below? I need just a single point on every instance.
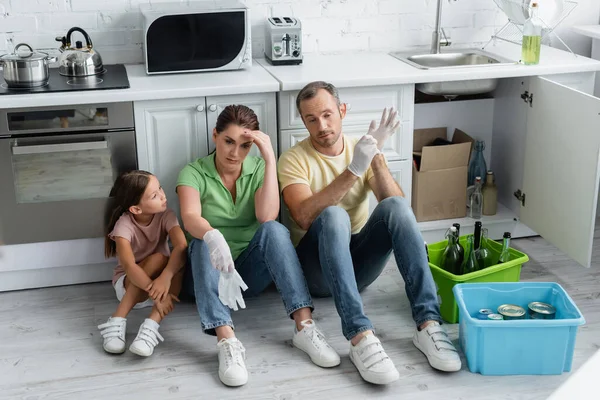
(561, 171)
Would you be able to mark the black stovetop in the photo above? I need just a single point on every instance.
(114, 77)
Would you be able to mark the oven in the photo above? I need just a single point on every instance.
(57, 166)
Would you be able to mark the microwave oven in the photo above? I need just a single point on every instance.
(209, 35)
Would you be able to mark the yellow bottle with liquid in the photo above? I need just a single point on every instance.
(532, 38)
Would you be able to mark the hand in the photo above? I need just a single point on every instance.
(229, 290)
(165, 306)
(263, 142)
(220, 255)
(364, 151)
(158, 289)
(387, 127)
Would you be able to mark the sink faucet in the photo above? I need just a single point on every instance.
(436, 40)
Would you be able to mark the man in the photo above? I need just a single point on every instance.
(325, 181)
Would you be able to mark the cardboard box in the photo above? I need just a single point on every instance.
(439, 188)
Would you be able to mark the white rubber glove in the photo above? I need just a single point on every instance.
(220, 255)
(230, 290)
(387, 127)
(364, 151)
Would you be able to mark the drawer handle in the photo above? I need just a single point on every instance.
(348, 106)
(212, 107)
(54, 148)
(200, 108)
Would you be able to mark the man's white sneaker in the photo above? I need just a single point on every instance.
(113, 333)
(146, 339)
(232, 364)
(312, 341)
(434, 342)
(372, 363)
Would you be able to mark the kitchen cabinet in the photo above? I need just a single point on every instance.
(172, 133)
(543, 148)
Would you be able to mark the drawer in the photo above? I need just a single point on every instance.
(397, 147)
(363, 104)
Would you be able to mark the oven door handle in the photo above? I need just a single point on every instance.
(55, 148)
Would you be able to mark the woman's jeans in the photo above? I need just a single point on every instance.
(341, 264)
(270, 257)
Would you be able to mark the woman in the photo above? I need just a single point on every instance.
(229, 203)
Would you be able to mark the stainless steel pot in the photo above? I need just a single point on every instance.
(26, 70)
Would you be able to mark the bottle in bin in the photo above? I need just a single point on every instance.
(482, 254)
(453, 255)
(471, 264)
(505, 253)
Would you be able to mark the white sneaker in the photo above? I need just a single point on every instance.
(146, 339)
(113, 332)
(434, 342)
(312, 341)
(232, 365)
(372, 363)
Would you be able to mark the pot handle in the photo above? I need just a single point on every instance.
(23, 45)
(88, 40)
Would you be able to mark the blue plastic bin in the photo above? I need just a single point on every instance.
(517, 347)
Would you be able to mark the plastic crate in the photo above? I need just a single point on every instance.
(517, 347)
(509, 271)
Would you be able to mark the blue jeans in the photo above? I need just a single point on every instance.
(269, 257)
(339, 263)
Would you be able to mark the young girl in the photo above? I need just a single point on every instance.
(147, 274)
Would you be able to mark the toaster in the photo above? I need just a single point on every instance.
(283, 44)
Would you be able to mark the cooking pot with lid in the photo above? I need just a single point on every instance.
(26, 69)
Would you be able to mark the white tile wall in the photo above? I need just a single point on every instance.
(329, 25)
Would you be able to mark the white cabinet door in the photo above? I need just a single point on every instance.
(561, 171)
(170, 134)
(263, 105)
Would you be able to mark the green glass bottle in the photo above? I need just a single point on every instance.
(505, 254)
(471, 264)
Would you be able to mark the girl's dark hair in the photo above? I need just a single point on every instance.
(237, 114)
(127, 191)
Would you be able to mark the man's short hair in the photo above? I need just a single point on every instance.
(310, 91)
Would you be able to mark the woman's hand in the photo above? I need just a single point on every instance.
(263, 142)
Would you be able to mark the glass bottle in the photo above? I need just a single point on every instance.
(477, 165)
(505, 254)
(476, 200)
(470, 264)
(490, 195)
(426, 250)
(452, 258)
(532, 37)
(484, 257)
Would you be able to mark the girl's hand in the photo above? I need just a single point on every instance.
(159, 288)
(263, 142)
(165, 306)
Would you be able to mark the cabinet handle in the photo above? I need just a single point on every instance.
(200, 108)
(348, 106)
(212, 107)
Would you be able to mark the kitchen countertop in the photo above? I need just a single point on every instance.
(592, 31)
(347, 70)
(153, 87)
(371, 69)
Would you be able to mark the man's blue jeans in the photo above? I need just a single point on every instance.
(270, 257)
(339, 263)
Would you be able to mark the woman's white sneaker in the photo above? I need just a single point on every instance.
(113, 333)
(232, 364)
(372, 362)
(312, 341)
(434, 342)
(146, 339)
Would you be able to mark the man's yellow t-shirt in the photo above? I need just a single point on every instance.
(304, 164)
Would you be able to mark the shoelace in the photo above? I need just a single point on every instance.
(234, 352)
(438, 335)
(112, 329)
(374, 353)
(316, 336)
(149, 335)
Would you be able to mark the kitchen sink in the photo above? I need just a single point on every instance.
(452, 61)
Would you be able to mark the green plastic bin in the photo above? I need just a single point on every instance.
(506, 272)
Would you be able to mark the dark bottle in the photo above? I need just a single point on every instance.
(505, 254)
(471, 264)
(460, 247)
(426, 250)
(452, 258)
